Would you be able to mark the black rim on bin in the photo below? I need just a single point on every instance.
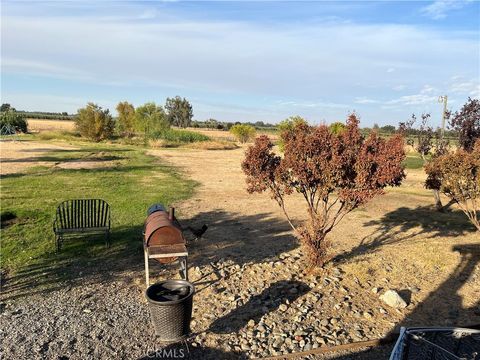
(170, 304)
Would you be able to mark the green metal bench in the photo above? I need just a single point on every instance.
(81, 216)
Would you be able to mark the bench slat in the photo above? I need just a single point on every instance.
(82, 214)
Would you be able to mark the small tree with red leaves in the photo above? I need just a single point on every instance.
(335, 173)
(467, 123)
(457, 175)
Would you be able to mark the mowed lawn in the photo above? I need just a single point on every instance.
(125, 177)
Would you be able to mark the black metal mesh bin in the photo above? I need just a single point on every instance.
(437, 344)
(170, 304)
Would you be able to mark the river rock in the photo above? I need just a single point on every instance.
(393, 299)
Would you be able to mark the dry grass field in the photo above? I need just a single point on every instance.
(396, 242)
(40, 125)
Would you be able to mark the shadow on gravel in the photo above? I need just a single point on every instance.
(405, 223)
(181, 351)
(243, 239)
(259, 305)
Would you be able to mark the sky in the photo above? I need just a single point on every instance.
(244, 61)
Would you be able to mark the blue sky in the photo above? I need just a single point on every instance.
(244, 61)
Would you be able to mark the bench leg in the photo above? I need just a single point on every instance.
(57, 243)
(107, 239)
(147, 274)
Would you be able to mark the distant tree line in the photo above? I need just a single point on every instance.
(227, 125)
(38, 114)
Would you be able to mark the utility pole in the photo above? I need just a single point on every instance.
(443, 99)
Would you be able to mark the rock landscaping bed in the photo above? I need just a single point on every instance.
(252, 310)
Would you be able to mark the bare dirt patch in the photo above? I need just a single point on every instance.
(17, 156)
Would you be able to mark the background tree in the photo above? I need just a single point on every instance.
(6, 107)
(337, 127)
(94, 123)
(467, 123)
(126, 118)
(243, 132)
(286, 126)
(424, 144)
(179, 111)
(390, 129)
(457, 175)
(150, 117)
(334, 173)
(290, 123)
(424, 136)
(12, 122)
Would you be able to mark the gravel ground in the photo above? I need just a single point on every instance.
(110, 318)
(253, 310)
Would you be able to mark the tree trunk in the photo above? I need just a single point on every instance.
(438, 201)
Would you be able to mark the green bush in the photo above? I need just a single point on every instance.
(243, 133)
(286, 126)
(12, 122)
(179, 136)
(337, 128)
(95, 123)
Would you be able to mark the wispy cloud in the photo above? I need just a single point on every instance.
(364, 100)
(147, 52)
(439, 9)
(315, 104)
(467, 87)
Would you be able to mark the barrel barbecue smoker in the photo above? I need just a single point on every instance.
(163, 240)
(170, 301)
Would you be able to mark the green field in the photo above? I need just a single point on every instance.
(130, 182)
(413, 161)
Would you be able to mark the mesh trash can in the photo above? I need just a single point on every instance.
(437, 344)
(170, 304)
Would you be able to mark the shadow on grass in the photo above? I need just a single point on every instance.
(80, 150)
(82, 258)
(119, 168)
(57, 159)
(239, 238)
(405, 223)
